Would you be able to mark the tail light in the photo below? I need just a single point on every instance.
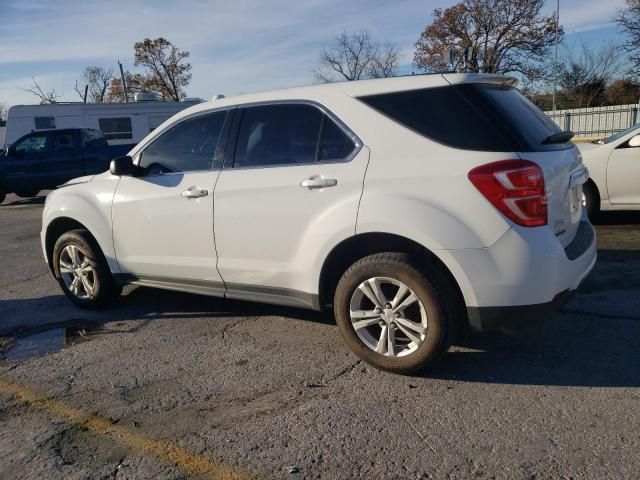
(515, 188)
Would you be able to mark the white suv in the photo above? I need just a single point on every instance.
(416, 207)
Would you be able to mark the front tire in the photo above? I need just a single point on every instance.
(392, 314)
(82, 271)
(3, 195)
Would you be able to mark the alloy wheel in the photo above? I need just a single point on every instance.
(77, 272)
(388, 316)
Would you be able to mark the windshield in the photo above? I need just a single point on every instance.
(621, 134)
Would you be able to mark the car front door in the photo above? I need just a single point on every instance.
(163, 218)
(62, 163)
(24, 158)
(292, 180)
(623, 175)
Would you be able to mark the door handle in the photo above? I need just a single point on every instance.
(195, 192)
(318, 181)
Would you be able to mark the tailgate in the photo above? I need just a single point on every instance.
(564, 175)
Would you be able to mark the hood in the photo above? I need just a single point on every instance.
(76, 181)
(584, 147)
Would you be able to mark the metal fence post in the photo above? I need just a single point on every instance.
(567, 121)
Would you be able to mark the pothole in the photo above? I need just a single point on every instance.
(48, 340)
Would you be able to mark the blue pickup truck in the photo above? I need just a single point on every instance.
(45, 159)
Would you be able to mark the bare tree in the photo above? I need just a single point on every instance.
(501, 36)
(385, 62)
(585, 73)
(355, 56)
(3, 111)
(97, 81)
(45, 96)
(629, 20)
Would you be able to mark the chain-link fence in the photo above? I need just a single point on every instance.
(596, 122)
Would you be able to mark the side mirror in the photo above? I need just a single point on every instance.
(635, 141)
(122, 166)
(11, 151)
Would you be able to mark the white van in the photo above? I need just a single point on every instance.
(122, 123)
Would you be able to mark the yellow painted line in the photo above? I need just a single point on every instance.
(190, 462)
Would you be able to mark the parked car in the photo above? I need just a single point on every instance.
(614, 168)
(46, 159)
(416, 207)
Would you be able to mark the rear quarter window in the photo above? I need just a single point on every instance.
(472, 117)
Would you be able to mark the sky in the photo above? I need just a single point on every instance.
(237, 46)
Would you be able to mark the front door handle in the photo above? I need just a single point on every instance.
(195, 192)
(319, 181)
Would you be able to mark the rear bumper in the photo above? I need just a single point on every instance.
(482, 319)
(523, 276)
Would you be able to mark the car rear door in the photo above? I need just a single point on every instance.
(292, 180)
(163, 218)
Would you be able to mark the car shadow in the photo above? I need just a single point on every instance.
(617, 218)
(138, 304)
(570, 349)
(15, 201)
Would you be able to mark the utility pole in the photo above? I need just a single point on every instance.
(555, 57)
(86, 90)
(124, 83)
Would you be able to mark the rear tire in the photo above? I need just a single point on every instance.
(82, 270)
(28, 193)
(591, 200)
(412, 309)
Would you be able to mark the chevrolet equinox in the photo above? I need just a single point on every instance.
(416, 207)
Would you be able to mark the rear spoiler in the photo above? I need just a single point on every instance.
(460, 78)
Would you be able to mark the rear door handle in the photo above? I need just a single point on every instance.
(195, 192)
(319, 181)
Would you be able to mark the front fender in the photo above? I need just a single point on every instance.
(88, 204)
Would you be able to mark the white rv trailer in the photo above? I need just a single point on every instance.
(122, 123)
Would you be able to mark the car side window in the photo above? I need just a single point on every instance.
(94, 139)
(188, 146)
(63, 141)
(281, 134)
(335, 144)
(36, 143)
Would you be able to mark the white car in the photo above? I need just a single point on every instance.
(415, 207)
(614, 170)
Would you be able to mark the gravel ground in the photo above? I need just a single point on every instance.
(167, 385)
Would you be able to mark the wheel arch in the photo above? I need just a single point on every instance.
(594, 185)
(591, 185)
(352, 249)
(58, 227)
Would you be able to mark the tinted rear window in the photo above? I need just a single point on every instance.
(471, 117)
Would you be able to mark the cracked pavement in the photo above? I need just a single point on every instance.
(167, 385)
